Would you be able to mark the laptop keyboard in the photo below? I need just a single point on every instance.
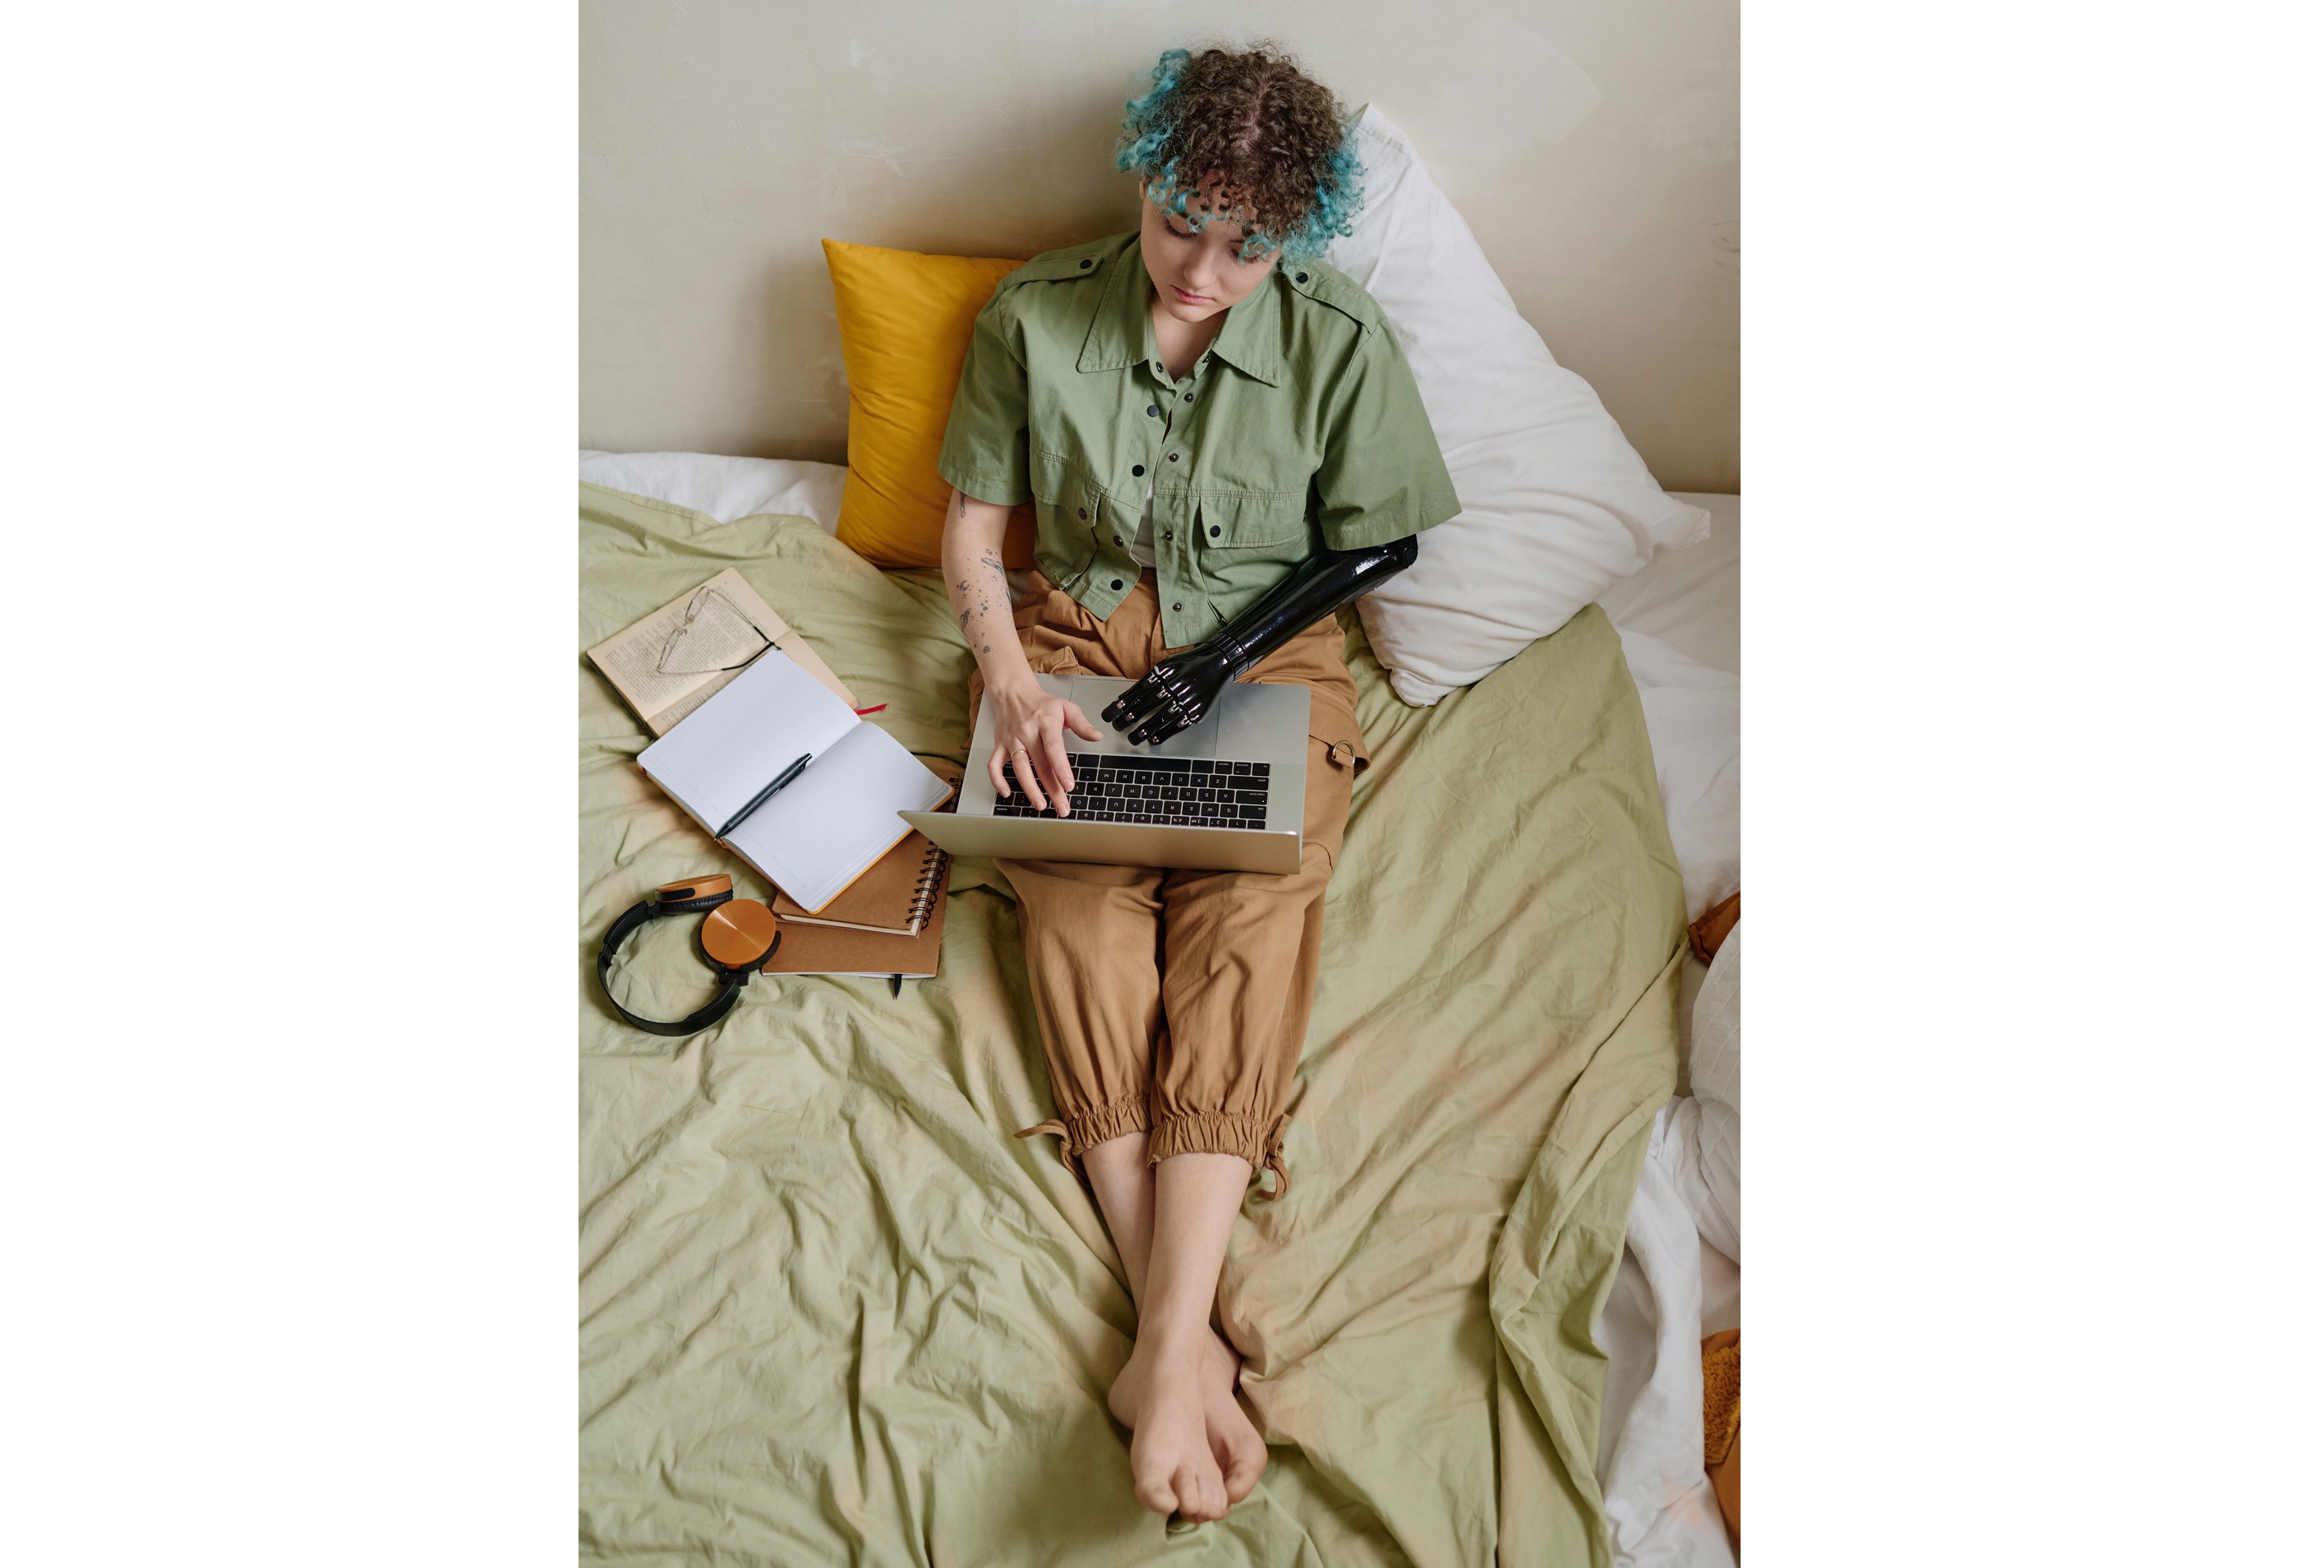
(1167, 791)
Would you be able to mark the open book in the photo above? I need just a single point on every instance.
(684, 653)
(834, 820)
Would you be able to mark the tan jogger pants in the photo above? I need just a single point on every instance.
(1175, 1002)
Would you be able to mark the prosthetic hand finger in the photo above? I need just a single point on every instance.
(1125, 710)
(1149, 704)
(1158, 726)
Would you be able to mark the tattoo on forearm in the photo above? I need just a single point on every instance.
(981, 593)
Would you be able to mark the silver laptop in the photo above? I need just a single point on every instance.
(1227, 795)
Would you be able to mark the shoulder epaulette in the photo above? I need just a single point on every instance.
(1331, 287)
(1082, 261)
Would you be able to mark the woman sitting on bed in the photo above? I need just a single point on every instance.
(1224, 445)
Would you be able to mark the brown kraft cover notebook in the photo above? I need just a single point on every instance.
(894, 899)
(808, 949)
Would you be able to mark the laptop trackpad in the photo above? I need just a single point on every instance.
(1091, 693)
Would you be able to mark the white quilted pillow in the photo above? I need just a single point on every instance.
(1714, 1069)
(1699, 1137)
(1556, 506)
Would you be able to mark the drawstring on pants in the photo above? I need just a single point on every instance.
(1054, 1129)
(1273, 1162)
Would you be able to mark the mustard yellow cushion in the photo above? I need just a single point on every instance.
(904, 326)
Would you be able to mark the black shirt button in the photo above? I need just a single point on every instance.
(1177, 606)
(1085, 263)
(1082, 513)
(1117, 582)
(1303, 277)
(1152, 410)
(1190, 397)
(1174, 457)
(1136, 470)
(1214, 531)
(1168, 534)
(1117, 538)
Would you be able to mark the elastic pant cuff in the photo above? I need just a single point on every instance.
(1082, 1129)
(1209, 1132)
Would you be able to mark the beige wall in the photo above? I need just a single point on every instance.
(1591, 146)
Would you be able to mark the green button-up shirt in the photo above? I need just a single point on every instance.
(1300, 429)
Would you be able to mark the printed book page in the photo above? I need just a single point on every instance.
(676, 659)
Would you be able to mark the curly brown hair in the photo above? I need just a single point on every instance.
(1275, 137)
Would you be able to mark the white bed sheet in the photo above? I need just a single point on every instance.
(1681, 621)
(726, 488)
(1690, 598)
(1681, 624)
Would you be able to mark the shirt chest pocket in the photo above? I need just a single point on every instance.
(1074, 516)
(1266, 524)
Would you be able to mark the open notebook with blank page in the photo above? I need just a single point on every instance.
(832, 822)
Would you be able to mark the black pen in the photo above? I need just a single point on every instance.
(768, 793)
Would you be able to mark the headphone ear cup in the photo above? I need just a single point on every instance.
(695, 893)
(739, 935)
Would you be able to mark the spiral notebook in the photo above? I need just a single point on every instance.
(811, 949)
(894, 899)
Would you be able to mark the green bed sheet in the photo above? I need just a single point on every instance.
(833, 1313)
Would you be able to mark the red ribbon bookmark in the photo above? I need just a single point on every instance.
(861, 712)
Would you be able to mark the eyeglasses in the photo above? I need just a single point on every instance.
(712, 636)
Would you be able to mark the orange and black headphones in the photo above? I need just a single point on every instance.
(735, 939)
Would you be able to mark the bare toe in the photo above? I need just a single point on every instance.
(1235, 1443)
(1214, 1496)
(1244, 1458)
(1202, 1495)
(1154, 1492)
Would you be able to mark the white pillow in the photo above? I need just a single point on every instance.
(1714, 1070)
(1556, 505)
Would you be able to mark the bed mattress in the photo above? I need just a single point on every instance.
(1314, 1376)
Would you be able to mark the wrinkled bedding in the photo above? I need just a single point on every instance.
(833, 1313)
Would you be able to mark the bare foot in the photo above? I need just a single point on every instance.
(1161, 1396)
(1235, 1443)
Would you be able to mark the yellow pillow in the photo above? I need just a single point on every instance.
(904, 326)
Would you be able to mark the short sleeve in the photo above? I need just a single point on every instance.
(1382, 478)
(984, 451)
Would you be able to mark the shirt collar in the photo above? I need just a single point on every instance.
(1123, 333)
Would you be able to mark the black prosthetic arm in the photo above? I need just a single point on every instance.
(1180, 689)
